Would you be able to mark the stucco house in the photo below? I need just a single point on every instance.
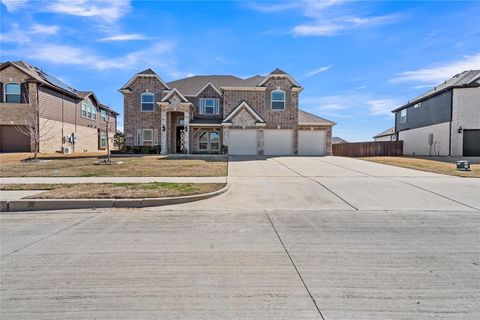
(200, 114)
(68, 120)
(387, 135)
(444, 121)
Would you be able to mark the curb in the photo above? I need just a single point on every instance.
(65, 204)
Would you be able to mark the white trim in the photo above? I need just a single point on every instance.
(143, 138)
(244, 88)
(239, 107)
(279, 76)
(174, 90)
(5, 91)
(141, 102)
(205, 86)
(206, 125)
(144, 75)
(284, 100)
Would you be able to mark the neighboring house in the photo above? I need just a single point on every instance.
(69, 120)
(387, 135)
(337, 140)
(443, 121)
(253, 116)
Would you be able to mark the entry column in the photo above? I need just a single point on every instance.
(163, 132)
(186, 133)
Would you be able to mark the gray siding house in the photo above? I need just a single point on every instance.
(444, 121)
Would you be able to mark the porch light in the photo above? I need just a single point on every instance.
(460, 129)
(163, 127)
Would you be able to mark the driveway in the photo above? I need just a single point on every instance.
(294, 238)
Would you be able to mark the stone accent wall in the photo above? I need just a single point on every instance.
(134, 117)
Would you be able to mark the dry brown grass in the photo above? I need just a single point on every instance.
(19, 156)
(115, 190)
(427, 165)
(134, 166)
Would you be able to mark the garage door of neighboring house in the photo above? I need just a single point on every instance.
(311, 142)
(471, 143)
(12, 140)
(243, 142)
(277, 142)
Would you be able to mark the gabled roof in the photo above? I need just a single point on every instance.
(191, 86)
(206, 86)
(243, 105)
(173, 91)
(470, 78)
(336, 140)
(385, 133)
(41, 76)
(145, 73)
(306, 118)
(279, 73)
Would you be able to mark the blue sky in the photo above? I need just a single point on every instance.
(356, 60)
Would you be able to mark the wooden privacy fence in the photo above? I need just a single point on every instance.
(368, 149)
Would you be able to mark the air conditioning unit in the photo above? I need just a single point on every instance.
(66, 150)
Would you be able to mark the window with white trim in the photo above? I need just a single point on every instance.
(89, 111)
(403, 115)
(147, 137)
(147, 101)
(12, 93)
(278, 100)
(209, 106)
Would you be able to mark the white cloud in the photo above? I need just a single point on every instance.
(20, 34)
(380, 107)
(272, 7)
(68, 55)
(125, 37)
(346, 104)
(13, 5)
(441, 72)
(104, 9)
(331, 26)
(317, 71)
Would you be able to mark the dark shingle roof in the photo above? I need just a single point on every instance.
(385, 133)
(470, 78)
(278, 71)
(336, 140)
(309, 118)
(191, 85)
(147, 71)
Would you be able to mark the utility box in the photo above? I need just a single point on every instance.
(463, 165)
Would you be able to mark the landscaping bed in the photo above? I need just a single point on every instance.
(115, 190)
(125, 166)
(427, 165)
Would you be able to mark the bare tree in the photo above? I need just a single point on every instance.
(37, 127)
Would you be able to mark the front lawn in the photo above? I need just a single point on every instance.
(427, 165)
(133, 166)
(115, 190)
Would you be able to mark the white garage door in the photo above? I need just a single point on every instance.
(311, 142)
(277, 142)
(243, 142)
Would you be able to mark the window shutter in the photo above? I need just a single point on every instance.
(24, 92)
(1, 92)
(155, 137)
(139, 137)
(201, 105)
(217, 106)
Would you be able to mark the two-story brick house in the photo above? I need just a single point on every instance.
(68, 120)
(254, 116)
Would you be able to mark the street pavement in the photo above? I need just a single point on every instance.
(293, 238)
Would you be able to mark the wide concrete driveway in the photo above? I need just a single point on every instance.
(293, 238)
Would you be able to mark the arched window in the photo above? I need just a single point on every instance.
(214, 140)
(203, 141)
(12, 93)
(147, 101)
(278, 100)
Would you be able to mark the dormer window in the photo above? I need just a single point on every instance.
(278, 100)
(147, 101)
(12, 93)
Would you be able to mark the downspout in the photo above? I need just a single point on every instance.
(450, 130)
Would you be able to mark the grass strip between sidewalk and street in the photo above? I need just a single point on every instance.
(434, 166)
(115, 190)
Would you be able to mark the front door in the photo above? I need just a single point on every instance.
(179, 140)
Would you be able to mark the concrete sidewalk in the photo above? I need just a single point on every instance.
(68, 180)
